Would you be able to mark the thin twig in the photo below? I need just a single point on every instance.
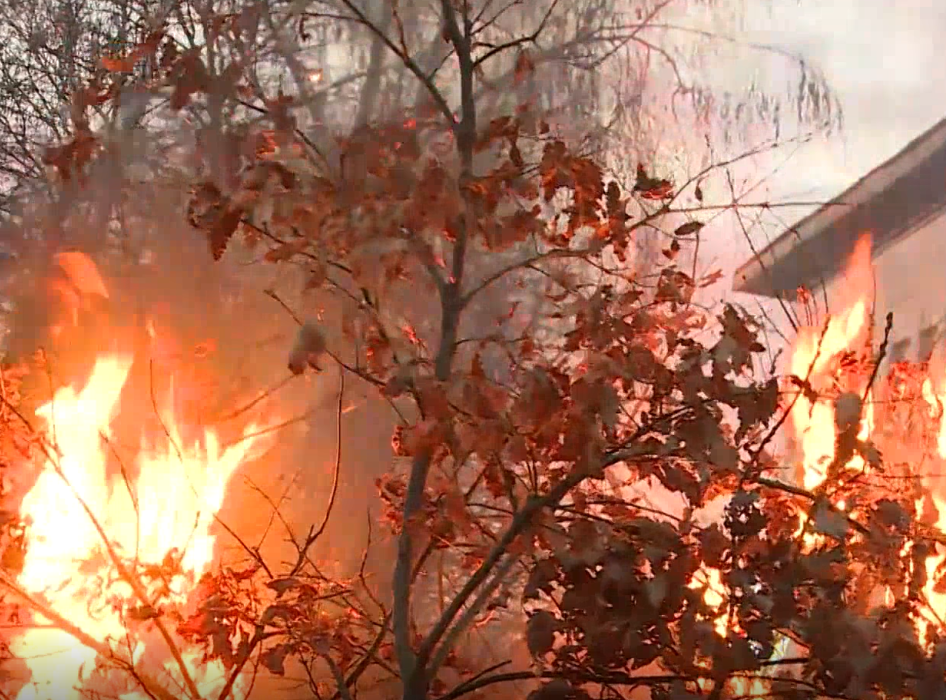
(275, 297)
(365, 661)
(466, 619)
(804, 493)
(259, 632)
(888, 326)
(261, 397)
(788, 411)
(126, 478)
(317, 532)
(408, 62)
(255, 555)
(157, 414)
(61, 623)
(271, 428)
(128, 576)
(497, 49)
(520, 522)
(343, 691)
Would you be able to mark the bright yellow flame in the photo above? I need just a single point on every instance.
(814, 425)
(69, 566)
(814, 357)
(714, 595)
(936, 601)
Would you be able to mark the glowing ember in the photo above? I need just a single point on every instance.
(109, 552)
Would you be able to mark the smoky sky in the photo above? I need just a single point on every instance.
(884, 61)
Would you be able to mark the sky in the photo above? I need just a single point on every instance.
(885, 61)
(887, 64)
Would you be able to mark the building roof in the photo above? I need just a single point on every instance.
(890, 202)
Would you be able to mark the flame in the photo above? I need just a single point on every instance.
(814, 356)
(111, 547)
(815, 351)
(814, 359)
(936, 600)
(714, 595)
(716, 599)
(80, 280)
(935, 398)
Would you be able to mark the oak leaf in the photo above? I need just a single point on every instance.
(650, 187)
(540, 632)
(689, 228)
(274, 659)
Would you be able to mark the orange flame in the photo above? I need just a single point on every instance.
(814, 423)
(936, 600)
(716, 599)
(91, 535)
(82, 273)
(815, 351)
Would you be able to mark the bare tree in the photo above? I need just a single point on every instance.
(616, 67)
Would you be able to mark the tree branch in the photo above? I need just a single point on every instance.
(401, 613)
(343, 691)
(408, 62)
(128, 576)
(150, 685)
(470, 614)
(466, 129)
(520, 521)
(521, 41)
(316, 533)
(303, 555)
(412, 672)
(481, 682)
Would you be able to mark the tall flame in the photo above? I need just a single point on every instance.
(816, 349)
(111, 546)
(936, 599)
(814, 423)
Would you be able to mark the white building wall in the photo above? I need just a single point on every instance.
(910, 281)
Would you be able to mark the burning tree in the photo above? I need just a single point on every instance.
(585, 492)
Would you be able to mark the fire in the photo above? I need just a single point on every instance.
(816, 350)
(936, 600)
(814, 424)
(814, 358)
(716, 599)
(935, 398)
(714, 595)
(111, 547)
(79, 281)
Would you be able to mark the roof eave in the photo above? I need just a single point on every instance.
(890, 202)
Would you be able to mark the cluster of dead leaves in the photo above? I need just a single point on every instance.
(238, 613)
